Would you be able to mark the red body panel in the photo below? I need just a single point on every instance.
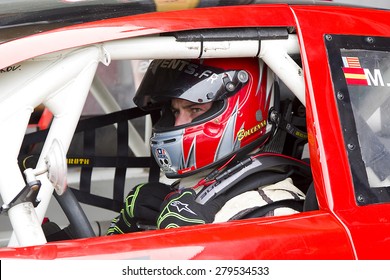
(368, 224)
(340, 230)
(138, 25)
(281, 238)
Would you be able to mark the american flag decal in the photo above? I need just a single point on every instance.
(353, 72)
(160, 152)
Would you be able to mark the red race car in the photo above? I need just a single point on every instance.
(82, 60)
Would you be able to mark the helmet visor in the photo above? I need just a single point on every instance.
(167, 79)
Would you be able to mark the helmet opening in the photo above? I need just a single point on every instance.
(167, 120)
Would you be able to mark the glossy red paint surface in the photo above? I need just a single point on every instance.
(296, 237)
(340, 230)
(139, 25)
(369, 225)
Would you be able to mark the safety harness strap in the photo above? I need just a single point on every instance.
(253, 174)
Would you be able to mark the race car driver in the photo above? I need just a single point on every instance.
(218, 118)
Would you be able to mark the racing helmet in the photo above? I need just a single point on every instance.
(241, 90)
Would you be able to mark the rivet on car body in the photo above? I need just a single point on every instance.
(351, 147)
(370, 40)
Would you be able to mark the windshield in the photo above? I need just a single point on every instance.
(361, 77)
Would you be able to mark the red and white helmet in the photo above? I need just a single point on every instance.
(242, 93)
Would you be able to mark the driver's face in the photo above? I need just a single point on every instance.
(185, 111)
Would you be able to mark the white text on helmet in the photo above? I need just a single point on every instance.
(186, 67)
(176, 64)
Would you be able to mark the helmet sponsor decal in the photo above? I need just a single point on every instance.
(185, 170)
(192, 69)
(163, 159)
(242, 133)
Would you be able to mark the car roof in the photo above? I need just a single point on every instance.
(22, 18)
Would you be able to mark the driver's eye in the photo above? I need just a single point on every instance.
(175, 112)
(196, 110)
